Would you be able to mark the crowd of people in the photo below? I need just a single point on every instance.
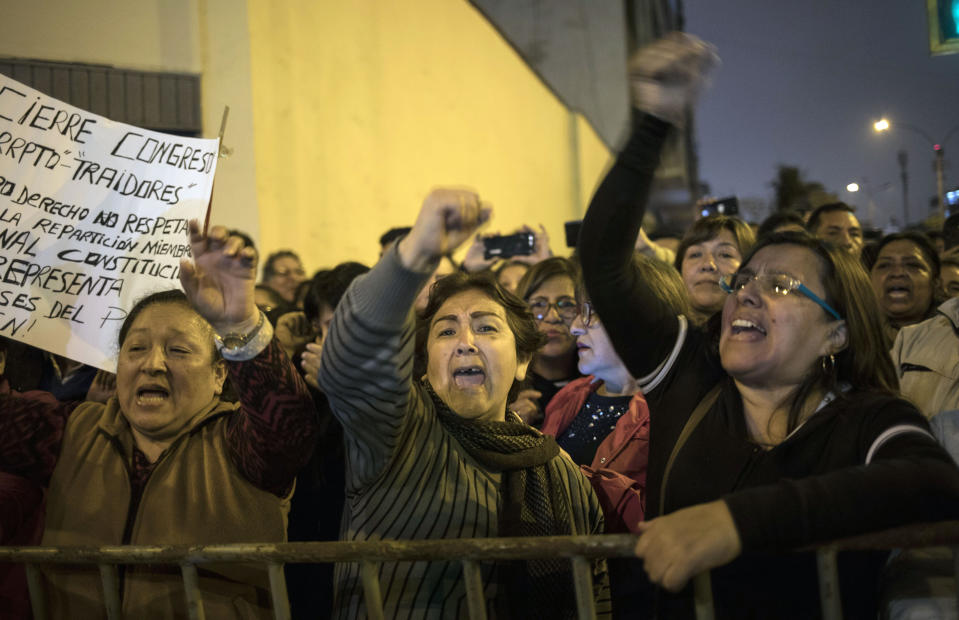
(730, 397)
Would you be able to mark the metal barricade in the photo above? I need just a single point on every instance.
(470, 552)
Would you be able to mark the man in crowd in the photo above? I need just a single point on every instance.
(836, 222)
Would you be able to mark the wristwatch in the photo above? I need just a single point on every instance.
(234, 341)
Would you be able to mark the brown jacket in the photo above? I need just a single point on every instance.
(195, 495)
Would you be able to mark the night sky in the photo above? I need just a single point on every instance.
(801, 84)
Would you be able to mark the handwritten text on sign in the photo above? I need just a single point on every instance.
(93, 216)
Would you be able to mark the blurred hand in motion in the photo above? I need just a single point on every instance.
(667, 75)
(475, 259)
(293, 331)
(526, 406)
(219, 282)
(103, 387)
(541, 249)
(682, 544)
(447, 218)
(310, 364)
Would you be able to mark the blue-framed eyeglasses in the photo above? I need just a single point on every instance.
(774, 284)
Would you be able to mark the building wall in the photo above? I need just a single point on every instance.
(360, 108)
(159, 35)
(343, 115)
(208, 37)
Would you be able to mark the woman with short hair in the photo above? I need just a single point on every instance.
(905, 278)
(283, 272)
(165, 461)
(712, 248)
(548, 288)
(441, 456)
(585, 412)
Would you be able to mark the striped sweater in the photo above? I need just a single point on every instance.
(407, 478)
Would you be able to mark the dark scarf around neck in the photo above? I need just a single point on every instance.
(535, 501)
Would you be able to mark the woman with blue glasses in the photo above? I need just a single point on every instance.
(774, 427)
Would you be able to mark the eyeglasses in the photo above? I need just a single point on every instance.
(588, 315)
(283, 273)
(565, 308)
(774, 284)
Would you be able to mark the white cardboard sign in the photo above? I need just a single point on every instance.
(93, 216)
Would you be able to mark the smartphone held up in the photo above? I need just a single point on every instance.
(506, 246)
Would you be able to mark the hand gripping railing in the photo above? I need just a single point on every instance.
(579, 549)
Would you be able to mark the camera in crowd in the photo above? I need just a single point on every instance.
(505, 246)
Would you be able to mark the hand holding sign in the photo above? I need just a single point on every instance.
(92, 218)
(220, 281)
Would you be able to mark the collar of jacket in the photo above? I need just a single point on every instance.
(115, 425)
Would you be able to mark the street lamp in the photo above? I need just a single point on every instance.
(861, 188)
(884, 125)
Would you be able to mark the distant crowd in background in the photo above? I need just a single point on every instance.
(729, 394)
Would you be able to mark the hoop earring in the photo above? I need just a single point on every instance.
(831, 366)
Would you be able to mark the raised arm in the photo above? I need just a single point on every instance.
(367, 357)
(640, 326)
(272, 435)
(665, 78)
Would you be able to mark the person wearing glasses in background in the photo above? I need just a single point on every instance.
(601, 420)
(283, 272)
(549, 291)
(777, 426)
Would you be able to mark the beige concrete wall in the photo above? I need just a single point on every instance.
(343, 115)
(225, 57)
(155, 35)
(209, 37)
(361, 107)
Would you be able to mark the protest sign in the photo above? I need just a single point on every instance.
(93, 216)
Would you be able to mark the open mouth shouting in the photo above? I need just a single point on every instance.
(152, 395)
(898, 291)
(469, 376)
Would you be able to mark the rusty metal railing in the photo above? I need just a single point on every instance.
(471, 552)
(579, 549)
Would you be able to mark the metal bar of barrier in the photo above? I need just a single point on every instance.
(583, 584)
(475, 601)
(35, 587)
(703, 596)
(829, 584)
(955, 573)
(602, 546)
(546, 547)
(111, 591)
(281, 601)
(606, 545)
(481, 549)
(194, 598)
(942, 533)
(370, 575)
